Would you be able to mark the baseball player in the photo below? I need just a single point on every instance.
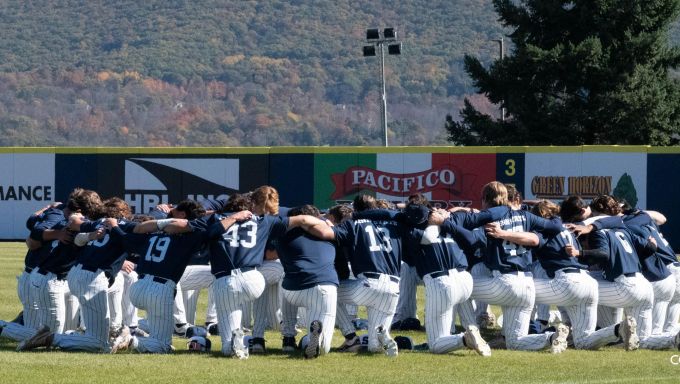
(661, 269)
(95, 271)
(165, 256)
(569, 285)
(311, 282)
(440, 262)
(39, 225)
(48, 280)
(375, 259)
(618, 252)
(502, 278)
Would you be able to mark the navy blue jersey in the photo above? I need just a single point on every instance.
(215, 205)
(476, 252)
(107, 253)
(503, 255)
(620, 247)
(164, 255)
(307, 261)
(552, 255)
(243, 244)
(375, 245)
(440, 249)
(47, 220)
(653, 267)
(61, 256)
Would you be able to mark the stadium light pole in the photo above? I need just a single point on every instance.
(376, 39)
(502, 55)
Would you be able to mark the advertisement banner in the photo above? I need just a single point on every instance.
(446, 179)
(555, 176)
(146, 180)
(26, 185)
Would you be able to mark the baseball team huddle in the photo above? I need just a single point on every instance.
(91, 265)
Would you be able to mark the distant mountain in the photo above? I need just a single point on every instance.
(234, 73)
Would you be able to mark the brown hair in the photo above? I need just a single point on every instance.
(117, 208)
(306, 209)
(340, 213)
(238, 202)
(546, 209)
(85, 201)
(571, 208)
(606, 204)
(364, 202)
(267, 199)
(418, 198)
(514, 196)
(495, 194)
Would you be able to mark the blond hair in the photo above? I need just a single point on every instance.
(266, 198)
(495, 194)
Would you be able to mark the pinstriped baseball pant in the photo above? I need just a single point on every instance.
(515, 294)
(115, 298)
(49, 293)
(380, 296)
(193, 280)
(673, 313)
(320, 303)
(30, 308)
(408, 283)
(231, 292)
(577, 293)
(91, 290)
(636, 296)
(663, 294)
(266, 306)
(129, 311)
(442, 294)
(156, 299)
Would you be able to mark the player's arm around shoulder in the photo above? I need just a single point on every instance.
(313, 225)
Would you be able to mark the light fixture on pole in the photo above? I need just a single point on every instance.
(376, 39)
(502, 55)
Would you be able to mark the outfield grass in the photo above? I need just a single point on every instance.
(611, 365)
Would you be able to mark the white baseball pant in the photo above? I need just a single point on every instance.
(320, 303)
(231, 292)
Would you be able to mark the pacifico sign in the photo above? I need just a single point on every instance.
(356, 179)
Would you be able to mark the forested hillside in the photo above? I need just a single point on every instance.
(234, 73)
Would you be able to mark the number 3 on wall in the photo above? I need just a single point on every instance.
(510, 171)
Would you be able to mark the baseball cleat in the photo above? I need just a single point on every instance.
(123, 341)
(351, 345)
(181, 330)
(212, 328)
(313, 347)
(486, 320)
(288, 345)
(558, 340)
(43, 338)
(628, 332)
(238, 349)
(676, 341)
(474, 341)
(138, 332)
(388, 344)
(256, 345)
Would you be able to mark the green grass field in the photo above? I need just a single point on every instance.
(611, 365)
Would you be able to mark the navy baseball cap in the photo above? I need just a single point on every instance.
(416, 214)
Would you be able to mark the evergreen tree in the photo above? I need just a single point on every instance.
(581, 72)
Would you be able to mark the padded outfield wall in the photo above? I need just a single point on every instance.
(32, 177)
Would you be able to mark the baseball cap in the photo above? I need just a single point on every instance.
(416, 214)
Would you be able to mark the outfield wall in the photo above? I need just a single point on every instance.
(32, 177)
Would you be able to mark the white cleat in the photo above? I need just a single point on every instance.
(238, 348)
(628, 332)
(388, 344)
(123, 341)
(558, 340)
(313, 347)
(474, 341)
